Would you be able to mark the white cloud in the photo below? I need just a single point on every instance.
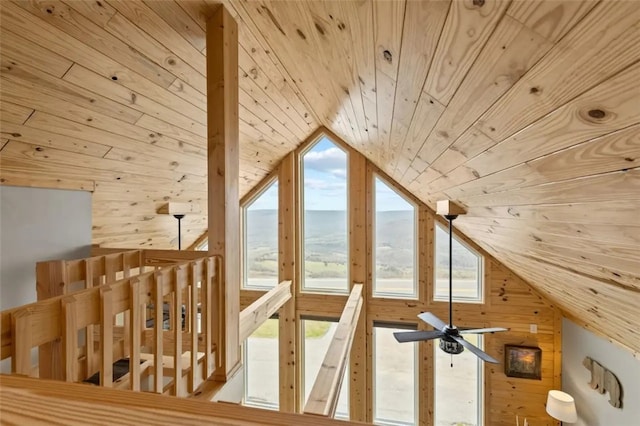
(332, 160)
(323, 185)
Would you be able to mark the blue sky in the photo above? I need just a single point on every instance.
(325, 188)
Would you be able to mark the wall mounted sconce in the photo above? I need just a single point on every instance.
(179, 210)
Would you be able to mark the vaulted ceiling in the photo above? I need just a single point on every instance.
(528, 113)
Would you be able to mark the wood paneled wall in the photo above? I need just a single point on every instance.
(508, 302)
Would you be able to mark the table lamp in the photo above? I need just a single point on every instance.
(561, 406)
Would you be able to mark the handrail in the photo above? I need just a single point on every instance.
(182, 294)
(251, 317)
(259, 311)
(323, 398)
(155, 257)
(56, 277)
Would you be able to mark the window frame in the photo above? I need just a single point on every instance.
(245, 355)
(302, 288)
(266, 185)
(480, 299)
(416, 237)
(416, 375)
(480, 391)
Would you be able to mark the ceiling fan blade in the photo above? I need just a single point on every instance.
(417, 336)
(482, 355)
(483, 330)
(432, 320)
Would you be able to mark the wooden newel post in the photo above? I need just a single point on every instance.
(51, 281)
(223, 191)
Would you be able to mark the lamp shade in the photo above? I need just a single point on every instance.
(561, 406)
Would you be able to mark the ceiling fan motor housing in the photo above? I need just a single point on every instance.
(450, 346)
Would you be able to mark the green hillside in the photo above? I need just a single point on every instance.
(326, 243)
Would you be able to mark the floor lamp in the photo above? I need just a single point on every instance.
(561, 406)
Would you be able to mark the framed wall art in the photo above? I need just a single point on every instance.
(522, 361)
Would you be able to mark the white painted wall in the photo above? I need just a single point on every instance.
(38, 224)
(35, 225)
(594, 408)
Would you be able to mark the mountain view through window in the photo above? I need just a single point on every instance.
(325, 236)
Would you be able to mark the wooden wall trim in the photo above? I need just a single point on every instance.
(358, 250)
(288, 326)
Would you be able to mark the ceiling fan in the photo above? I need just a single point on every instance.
(451, 340)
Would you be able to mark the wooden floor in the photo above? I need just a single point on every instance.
(42, 402)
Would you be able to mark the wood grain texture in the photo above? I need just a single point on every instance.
(467, 29)
(288, 326)
(323, 398)
(222, 189)
(538, 100)
(358, 253)
(37, 402)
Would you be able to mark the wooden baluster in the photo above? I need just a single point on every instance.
(135, 341)
(141, 268)
(193, 278)
(110, 267)
(51, 281)
(207, 329)
(158, 327)
(126, 268)
(70, 338)
(106, 336)
(102, 277)
(90, 338)
(21, 332)
(177, 313)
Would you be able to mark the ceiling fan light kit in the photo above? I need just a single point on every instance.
(451, 340)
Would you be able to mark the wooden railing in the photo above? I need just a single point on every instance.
(159, 323)
(57, 277)
(262, 309)
(252, 317)
(323, 398)
(106, 266)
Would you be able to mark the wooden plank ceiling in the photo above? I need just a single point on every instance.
(526, 112)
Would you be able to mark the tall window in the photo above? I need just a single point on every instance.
(325, 236)
(317, 337)
(458, 389)
(395, 379)
(467, 269)
(395, 243)
(260, 230)
(261, 388)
